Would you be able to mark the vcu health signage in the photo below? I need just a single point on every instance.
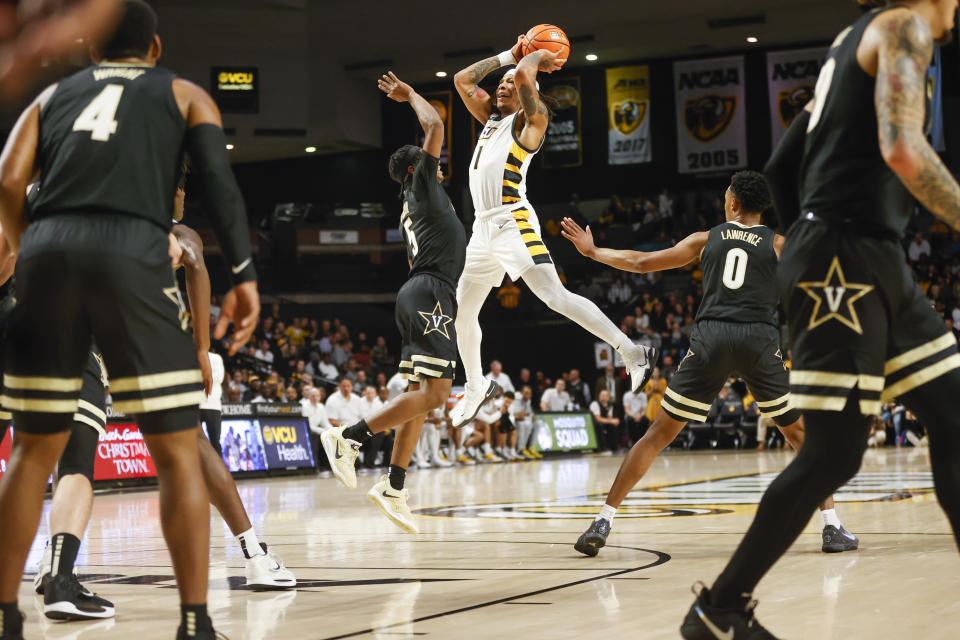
(711, 115)
(236, 89)
(286, 442)
(791, 77)
(628, 114)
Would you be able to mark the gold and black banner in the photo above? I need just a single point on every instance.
(442, 102)
(628, 114)
(563, 145)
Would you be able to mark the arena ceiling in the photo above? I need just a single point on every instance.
(318, 57)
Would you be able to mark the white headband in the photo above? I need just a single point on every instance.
(513, 72)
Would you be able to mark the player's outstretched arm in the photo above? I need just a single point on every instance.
(679, 255)
(198, 294)
(428, 117)
(783, 168)
(467, 81)
(206, 145)
(905, 47)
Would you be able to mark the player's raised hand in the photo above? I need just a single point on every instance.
(547, 60)
(517, 49)
(581, 239)
(241, 306)
(395, 88)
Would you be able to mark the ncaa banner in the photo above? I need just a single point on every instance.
(711, 115)
(628, 114)
(563, 145)
(791, 77)
(442, 102)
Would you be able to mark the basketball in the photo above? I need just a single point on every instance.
(548, 36)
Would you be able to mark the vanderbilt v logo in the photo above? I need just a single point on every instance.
(840, 297)
(834, 297)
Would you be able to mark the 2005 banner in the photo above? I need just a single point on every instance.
(628, 114)
(563, 147)
(711, 115)
(791, 77)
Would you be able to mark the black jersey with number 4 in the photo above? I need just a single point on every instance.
(843, 177)
(436, 241)
(739, 274)
(111, 141)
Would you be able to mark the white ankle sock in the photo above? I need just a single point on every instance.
(830, 518)
(607, 513)
(249, 544)
(487, 449)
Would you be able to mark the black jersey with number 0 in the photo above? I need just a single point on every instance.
(436, 241)
(739, 274)
(843, 177)
(111, 141)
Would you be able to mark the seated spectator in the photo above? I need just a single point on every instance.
(381, 358)
(498, 375)
(619, 292)
(918, 248)
(234, 396)
(327, 369)
(655, 388)
(263, 352)
(578, 390)
(236, 382)
(343, 407)
(634, 414)
(607, 422)
(509, 295)
(291, 396)
(611, 382)
(521, 411)
(313, 410)
(361, 381)
(556, 398)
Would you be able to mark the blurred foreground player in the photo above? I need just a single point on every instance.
(862, 329)
(737, 334)
(107, 143)
(426, 310)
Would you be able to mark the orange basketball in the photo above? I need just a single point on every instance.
(551, 37)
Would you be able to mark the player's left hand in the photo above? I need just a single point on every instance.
(206, 371)
(581, 239)
(547, 61)
(241, 306)
(394, 87)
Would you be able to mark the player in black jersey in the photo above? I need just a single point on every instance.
(862, 330)
(426, 310)
(736, 334)
(107, 144)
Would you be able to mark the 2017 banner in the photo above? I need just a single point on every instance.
(628, 114)
(563, 145)
(711, 115)
(442, 102)
(791, 77)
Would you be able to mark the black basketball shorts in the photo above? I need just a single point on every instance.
(858, 320)
(719, 350)
(89, 422)
(105, 277)
(425, 314)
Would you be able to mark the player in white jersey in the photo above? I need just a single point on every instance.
(506, 231)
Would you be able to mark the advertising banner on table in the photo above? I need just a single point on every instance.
(287, 442)
(442, 101)
(563, 145)
(628, 114)
(242, 445)
(5, 450)
(791, 77)
(122, 454)
(711, 115)
(565, 431)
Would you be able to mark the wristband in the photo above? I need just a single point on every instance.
(506, 58)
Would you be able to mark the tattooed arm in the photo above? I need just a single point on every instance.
(904, 50)
(536, 116)
(478, 102)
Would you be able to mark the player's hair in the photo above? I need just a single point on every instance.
(751, 189)
(510, 394)
(400, 162)
(134, 33)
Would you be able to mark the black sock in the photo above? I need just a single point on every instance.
(397, 476)
(194, 618)
(64, 547)
(12, 621)
(359, 432)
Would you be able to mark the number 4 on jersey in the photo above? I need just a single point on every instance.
(99, 117)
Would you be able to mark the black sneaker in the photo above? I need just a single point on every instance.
(65, 599)
(200, 634)
(14, 636)
(704, 622)
(594, 538)
(837, 540)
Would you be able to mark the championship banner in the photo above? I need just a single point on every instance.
(628, 113)
(442, 102)
(563, 145)
(287, 443)
(122, 454)
(711, 115)
(791, 77)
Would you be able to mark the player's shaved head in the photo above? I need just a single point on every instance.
(134, 33)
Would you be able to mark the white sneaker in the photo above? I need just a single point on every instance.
(441, 462)
(492, 457)
(267, 572)
(642, 368)
(393, 503)
(44, 569)
(469, 405)
(342, 455)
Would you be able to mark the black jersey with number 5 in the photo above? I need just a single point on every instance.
(111, 141)
(436, 241)
(739, 274)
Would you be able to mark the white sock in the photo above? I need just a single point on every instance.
(607, 513)
(249, 544)
(830, 518)
(487, 449)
